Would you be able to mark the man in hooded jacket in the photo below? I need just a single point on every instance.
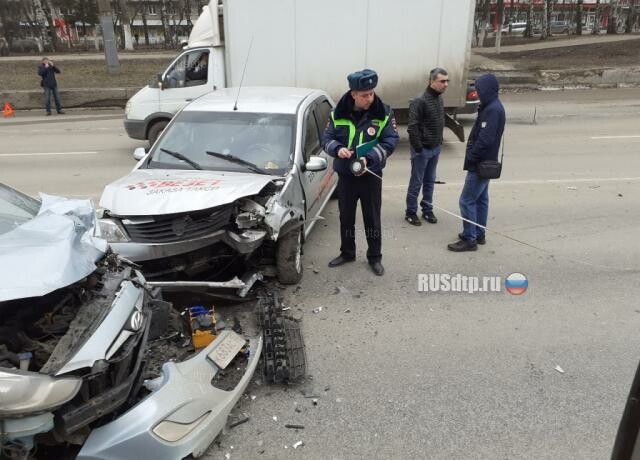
(359, 119)
(484, 144)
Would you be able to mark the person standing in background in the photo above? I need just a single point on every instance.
(47, 71)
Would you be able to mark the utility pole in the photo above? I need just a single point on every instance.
(108, 36)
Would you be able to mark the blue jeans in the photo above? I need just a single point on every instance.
(47, 99)
(474, 205)
(423, 175)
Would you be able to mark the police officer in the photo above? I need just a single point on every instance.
(360, 118)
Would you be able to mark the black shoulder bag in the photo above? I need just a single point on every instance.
(490, 169)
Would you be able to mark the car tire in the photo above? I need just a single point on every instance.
(289, 258)
(155, 131)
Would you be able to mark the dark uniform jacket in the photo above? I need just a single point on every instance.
(426, 120)
(486, 134)
(345, 129)
(48, 75)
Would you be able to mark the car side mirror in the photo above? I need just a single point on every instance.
(139, 153)
(316, 164)
(160, 82)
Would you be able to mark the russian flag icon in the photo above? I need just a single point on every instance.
(516, 284)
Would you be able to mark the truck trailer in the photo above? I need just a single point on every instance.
(311, 44)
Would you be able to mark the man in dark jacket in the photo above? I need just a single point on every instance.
(426, 123)
(47, 71)
(360, 120)
(484, 144)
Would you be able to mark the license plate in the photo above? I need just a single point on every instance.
(227, 348)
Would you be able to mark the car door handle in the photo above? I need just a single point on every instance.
(188, 100)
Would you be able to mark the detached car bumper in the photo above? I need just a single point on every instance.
(182, 416)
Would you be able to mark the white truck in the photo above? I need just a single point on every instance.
(312, 44)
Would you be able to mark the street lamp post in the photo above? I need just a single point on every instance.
(108, 36)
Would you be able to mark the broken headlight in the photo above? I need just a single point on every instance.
(250, 214)
(111, 231)
(26, 392)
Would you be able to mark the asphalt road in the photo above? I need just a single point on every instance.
(399, 373)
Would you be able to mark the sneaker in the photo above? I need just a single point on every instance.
(462, 246)
(48, 113)
(413, 220)
(430, 217)
(60, 112)
(479, 240)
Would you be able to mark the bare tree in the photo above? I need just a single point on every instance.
(11, 13)
(545, 24)
(125, 22)
(631, 17)
(47, 9)
(145, 9)
(597, 19)
(82, 11)
(614, 14)
(484, 20)
(499, 20)
(579, 18)
(529, 30)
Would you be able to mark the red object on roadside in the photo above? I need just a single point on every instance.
(8, 111)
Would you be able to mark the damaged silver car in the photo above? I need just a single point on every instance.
(95, 361)
(237, 178)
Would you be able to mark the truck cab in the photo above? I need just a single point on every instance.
(190, 75)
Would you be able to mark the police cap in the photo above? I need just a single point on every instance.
(362, 80)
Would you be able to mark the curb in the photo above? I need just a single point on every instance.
(565, 79)
(510, 81)
(70, 98)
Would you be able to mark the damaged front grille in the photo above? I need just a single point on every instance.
(178, 227)
(43, 334)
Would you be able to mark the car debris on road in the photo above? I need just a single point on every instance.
(112, 363)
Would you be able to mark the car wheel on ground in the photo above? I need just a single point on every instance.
(289, 258)
(155, 131)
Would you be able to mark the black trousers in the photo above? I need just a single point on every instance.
(367, 189)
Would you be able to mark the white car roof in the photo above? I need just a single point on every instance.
(253, 99)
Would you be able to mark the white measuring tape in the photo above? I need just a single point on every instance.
(524, 243)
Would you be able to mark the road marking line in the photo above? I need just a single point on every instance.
(45, 153)
(631, 136)
(539, 181)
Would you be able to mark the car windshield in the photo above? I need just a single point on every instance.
(261, 139)
(15, 208)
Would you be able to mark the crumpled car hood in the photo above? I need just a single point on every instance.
(160, 191)
(54, 249)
